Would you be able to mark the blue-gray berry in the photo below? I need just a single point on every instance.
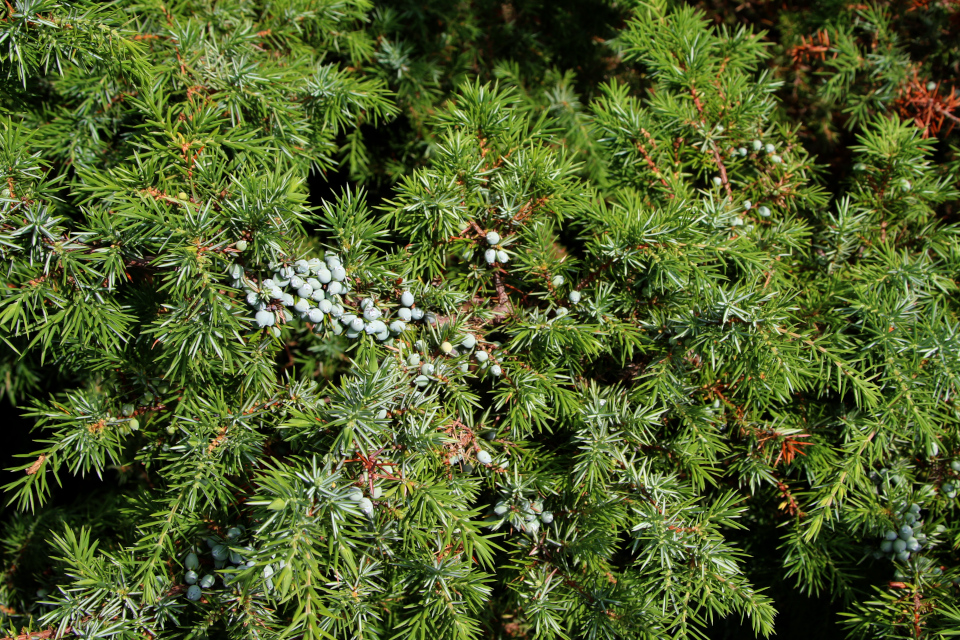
(302, 306)
(190, 577)
(413, 360)
(315, 315)
(496, 371)
(493, 238)
(468, 341)
(502, 256)
(484, 458)
(194, 593)
(406, 299)
(574, 297)
(397, 327)
(265, 318)
(339, 273)
(490, 255)
(371, 313)
(207, 581)
(481, 356)
(334, 288)
(427, 369)
(416, 314)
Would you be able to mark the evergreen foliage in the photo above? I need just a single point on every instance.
(614, 347)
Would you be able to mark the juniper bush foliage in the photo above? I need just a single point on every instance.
(606, 352)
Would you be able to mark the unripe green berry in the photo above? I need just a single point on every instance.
(241, 245)
(446, 347)
(557, 281)
(493, 238)
(574, 297)
(191, 561)
(190, 577)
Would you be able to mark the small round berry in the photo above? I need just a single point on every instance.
(302, 306)
(769, 148)
(305, 291)
(427, 369)
(775, 159)
(127, 409)
(484, 458)
(742, 151)
(910, 519)
(416, 314)
(265, 318)
(468, 341)
(296, 282)
(413, 360)
(241, 245)
(302, 267)
(465, 367)
(531, 527)
(194, 593)
(906, 185)
(421, 381)
(493, 238)
(371, 313)
(133, 424)
(318, 295)
(502, 257)
(190, 577)
(481, 356)
(376, 326)
(764, 211)
(913, 544)
(334, 288)
(377, 493)
(446, 347)
(557, 281)
(717, 181)
(747, 205)
(757, 145)
(350, 333)
(886, 546)
(207, 581)
(355, 494)
(931, 86)
(191, 561)
(501, 508)
(325, 306)
(332, 260)
(356, 324)
(906, 531)
(324, 275)
(574, 297)
(182, 195)
(899, 545)
(404, 314)
(315, 315)
(287, 300)
(406, 299)
(220, 552)
(366, 303)
(397, 327)
(546, 517)
(903, 556)
(496, 371)
(490, 255)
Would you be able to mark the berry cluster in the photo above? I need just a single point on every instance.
(314, 290)
(908, 537)
(949, 488)
(526, 516)
(221, 554)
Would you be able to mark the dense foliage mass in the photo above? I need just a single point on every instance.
(602, 320)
